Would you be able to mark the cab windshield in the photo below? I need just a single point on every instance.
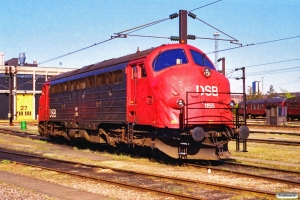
(169, 58)
(201, 59)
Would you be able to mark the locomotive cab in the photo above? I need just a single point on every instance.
(189, 97)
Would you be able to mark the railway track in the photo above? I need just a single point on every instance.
(253, 131)
(272, 141)
(237, 170)
(129, 179)
(82, 171)
(282, 130)
(273, 174)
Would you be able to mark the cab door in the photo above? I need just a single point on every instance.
(131, 93)
(137, 93)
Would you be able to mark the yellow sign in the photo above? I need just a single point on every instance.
(24, 107)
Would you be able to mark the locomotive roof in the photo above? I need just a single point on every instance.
(105, 63)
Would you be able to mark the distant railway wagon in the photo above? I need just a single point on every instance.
(257, 108)
(170, 98)
(293, 108)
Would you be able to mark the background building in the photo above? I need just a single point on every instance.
(20, 87)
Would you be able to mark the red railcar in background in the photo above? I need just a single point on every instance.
(257, 108)
(293, 108)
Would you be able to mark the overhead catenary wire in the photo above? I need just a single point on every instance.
(142, 26)
(123, 34)
(193, 16)
(281, 61)
(75, 51)
(148, 36)
(120, 35)
(205, 5)
(273, 71)
(253, 44)
(213, 39)
(164, 37)
(158, 21)
(217, 29)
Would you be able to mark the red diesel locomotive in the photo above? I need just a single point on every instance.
(169, 98)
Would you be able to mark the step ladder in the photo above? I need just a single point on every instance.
(130, 134)
(184, 143)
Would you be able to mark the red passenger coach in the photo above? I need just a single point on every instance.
(169, 98)
(257, 108)
(293, 108)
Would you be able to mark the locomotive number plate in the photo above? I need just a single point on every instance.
(53, 113)
(209, 105)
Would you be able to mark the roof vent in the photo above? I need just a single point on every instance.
(22, 59)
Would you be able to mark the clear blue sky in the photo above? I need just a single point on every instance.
(50, 28)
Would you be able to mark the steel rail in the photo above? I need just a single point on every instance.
(235, 188)
(280, 142)
(260, 167)
(207, 183)
(274, 132)
(131, 186)
(231, 163)
(285, 181)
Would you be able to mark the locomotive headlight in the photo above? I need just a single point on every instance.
(207, 72)
(180, 103)
(176, 103)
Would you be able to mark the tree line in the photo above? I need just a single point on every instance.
(270, 94)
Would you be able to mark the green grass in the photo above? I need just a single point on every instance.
(5, 161)
(282, 153)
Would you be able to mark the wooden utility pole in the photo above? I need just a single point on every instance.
(10, 100)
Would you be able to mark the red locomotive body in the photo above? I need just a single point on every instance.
(44, 104)
(170, 98)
